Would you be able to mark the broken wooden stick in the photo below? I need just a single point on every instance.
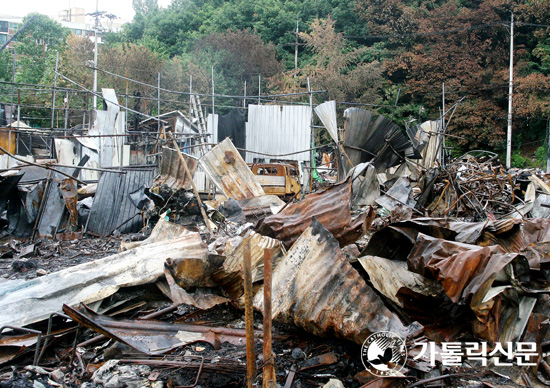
(188, 173)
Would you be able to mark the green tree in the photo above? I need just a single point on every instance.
(6, 65)
(237, 57)
(463, 44)
(136, 63)
(36, 49)
(335, 67)
(145, 7)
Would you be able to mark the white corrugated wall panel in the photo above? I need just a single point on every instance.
(201, 180)
(276, 129)
(212, 128)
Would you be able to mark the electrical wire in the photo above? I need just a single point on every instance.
(426, 33)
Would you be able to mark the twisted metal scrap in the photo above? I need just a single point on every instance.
(471, 187)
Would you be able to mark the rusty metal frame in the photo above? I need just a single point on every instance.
(30, 331)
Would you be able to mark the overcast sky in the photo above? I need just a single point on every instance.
(121, 8)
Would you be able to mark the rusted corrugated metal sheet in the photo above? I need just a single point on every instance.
(506, 233)
(230, 275)
(331, 207)
(396, 240)
(226, 271)
(536, 235)
(172, 172)
(277, 130)
(390, 276)
(467, 273)
(227, 170)
(536, 230)
(315, 288)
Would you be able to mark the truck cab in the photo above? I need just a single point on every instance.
(280, 179)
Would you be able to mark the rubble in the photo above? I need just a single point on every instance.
(92, 281)
(331, 207)
(315, 288)
(229, 172)
(177, 274)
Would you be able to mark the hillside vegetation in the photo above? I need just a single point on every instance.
(379, 52)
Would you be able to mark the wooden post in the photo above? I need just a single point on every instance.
(269, 377)
(188, 173)
(249, 314)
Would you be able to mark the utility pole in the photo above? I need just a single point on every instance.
(94, 88)
(259, 89)
(510, 92)
(312, 138)
(213, 100)
(66, 103)
(244, 96)
(190, 97)
(97, 28)
(296, 50)
(158, 103)
(54, 88)
(12, 84)
(442, 138)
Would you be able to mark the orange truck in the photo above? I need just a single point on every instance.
(278, 178)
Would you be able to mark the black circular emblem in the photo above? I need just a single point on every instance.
(384, 353)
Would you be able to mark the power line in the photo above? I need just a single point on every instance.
(439, 32)
(533, 24)
(426, 33)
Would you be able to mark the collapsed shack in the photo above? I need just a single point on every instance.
(435, 254)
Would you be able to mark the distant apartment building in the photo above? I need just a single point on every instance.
(74, 19)
(8, 25)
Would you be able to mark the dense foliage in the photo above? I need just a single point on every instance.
(363, 51)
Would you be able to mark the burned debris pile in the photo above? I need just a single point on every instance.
(166, 284)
